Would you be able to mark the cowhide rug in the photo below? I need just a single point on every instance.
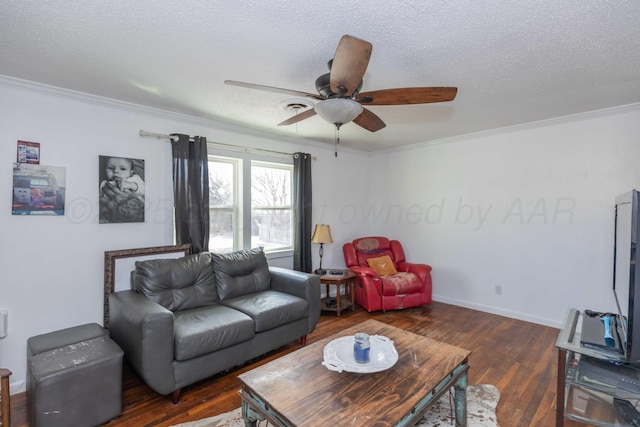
(482, 400)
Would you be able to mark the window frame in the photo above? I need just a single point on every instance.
(289, 207)
(242, 194)
(236, 207)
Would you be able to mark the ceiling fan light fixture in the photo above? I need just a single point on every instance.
(338, 111)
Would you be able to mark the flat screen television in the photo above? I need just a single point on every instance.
(626, 276)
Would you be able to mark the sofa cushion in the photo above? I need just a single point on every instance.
(372, 247)
(206, 329)
(382, 265)
(177, 284)
(270, 309)
(241, 273)
(401, 284)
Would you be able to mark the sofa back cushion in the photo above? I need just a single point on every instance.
(177, 284)
(372, 247)
(241, 273)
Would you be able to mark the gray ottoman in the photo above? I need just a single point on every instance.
(74, 377)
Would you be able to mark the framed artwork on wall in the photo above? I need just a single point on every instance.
(121, 190)
(38, 189)
(28, 152)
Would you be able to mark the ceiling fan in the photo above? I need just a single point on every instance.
(340, 100)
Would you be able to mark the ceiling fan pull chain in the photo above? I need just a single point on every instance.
(337, 132)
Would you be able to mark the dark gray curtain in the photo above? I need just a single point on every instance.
(191, 191)
(302, 212)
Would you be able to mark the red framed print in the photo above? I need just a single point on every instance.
(29, 152)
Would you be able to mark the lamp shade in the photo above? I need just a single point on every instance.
(338, 110)
(322, 234)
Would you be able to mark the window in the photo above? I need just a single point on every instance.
(250, 204)
(223, 203)
(271, 207)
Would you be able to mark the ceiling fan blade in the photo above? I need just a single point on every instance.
(273, 89)
(369, 121)
(408, 95)
(298, 117)
(349, 64)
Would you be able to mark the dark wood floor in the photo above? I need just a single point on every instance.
(517, 357)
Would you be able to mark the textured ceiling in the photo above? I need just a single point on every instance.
(513, 62)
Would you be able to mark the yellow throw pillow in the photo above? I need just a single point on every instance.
(382, 265)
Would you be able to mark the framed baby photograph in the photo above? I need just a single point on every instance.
(121, 190)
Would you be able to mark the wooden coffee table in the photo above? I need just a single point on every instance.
(297, 390)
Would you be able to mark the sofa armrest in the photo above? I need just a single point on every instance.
(369, 278)
(303, 285)
(144, 330)
(365, 271)
(420, 270)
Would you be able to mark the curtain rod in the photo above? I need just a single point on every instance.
(229, 146)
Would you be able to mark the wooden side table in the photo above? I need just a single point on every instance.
(5, 396)
(342, 302)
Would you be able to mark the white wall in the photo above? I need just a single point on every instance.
(529, 209)
(52, 267)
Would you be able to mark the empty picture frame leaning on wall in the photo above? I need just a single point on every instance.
(118, 266)
(121, 190)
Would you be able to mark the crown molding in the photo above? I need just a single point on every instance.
(27, 85)
(571, 118)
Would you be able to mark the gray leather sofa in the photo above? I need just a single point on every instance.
(189, 318)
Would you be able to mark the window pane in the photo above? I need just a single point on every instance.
(222, 208)
(270, 187)
(271, 228)
(221, 230)
(271, 206)
(221, 184)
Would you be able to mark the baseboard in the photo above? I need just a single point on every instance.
(17, 387)
(499, 311)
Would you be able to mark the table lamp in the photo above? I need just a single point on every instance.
(322, 235)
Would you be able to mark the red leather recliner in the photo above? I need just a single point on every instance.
(409, 287)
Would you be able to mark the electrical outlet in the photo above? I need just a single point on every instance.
(498, 289)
